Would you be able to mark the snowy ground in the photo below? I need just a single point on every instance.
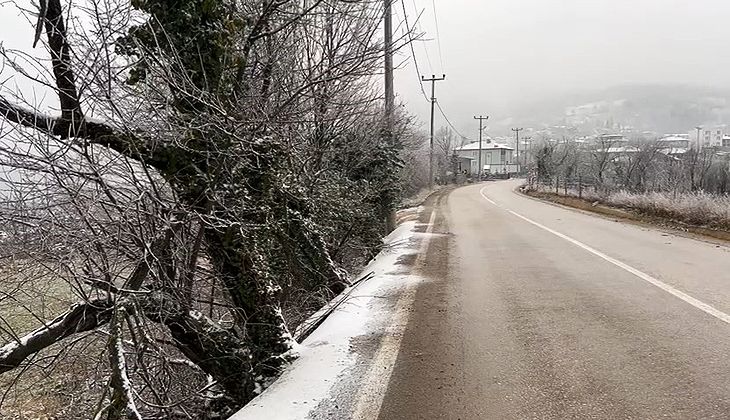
(324, 381)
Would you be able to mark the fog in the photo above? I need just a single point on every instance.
(499, 54)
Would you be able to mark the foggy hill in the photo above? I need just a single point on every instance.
(660, 108)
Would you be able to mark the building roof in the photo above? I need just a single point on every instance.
(486, 145)
(612, 136)
(619, 149)
(673, 138)
(674, 150)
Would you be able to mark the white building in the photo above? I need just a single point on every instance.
(674, 144)
(496, 158)
(674, 140)
(709, 136)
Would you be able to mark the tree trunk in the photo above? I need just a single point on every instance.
(254, 294)
(219, 352)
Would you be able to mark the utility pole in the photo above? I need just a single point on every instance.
(389, 94)
(479, 161)
(699, 145)
(528, 149)
(433, 81)
(517, 133)
(389, 98)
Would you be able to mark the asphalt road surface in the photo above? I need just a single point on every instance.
(533, 311)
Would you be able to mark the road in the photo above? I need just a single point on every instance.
(534, 311)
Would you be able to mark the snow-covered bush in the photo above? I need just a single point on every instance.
(692, 207)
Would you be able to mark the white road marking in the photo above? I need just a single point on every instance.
(710, 310)
(485, 197)
(375, 383)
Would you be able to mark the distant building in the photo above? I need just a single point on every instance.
(619, 150)
(674, 145)
(608, 140)
(709, 136)
(674, 140)
(496, 158)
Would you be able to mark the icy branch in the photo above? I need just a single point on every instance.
(123, 398)
(80, 317)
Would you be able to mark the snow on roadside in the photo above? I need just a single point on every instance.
(326, 354)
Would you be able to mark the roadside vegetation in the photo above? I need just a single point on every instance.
(216, 172)
(692, 188)
(695, 208)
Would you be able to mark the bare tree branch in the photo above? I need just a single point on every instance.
(80, 318)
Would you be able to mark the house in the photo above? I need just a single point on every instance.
(674, 141)
(496, 158)
(675, 152)
(618, 150)
(709, 136)
(675, 145)
(466, 163)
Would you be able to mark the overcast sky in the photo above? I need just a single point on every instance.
(498, 53)
(16, 34)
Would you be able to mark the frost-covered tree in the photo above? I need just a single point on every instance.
(213, 161)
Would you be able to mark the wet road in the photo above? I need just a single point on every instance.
(532, 311)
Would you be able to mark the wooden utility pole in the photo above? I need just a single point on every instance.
(517, 133)
(479, 160)
(389, 95)
(433, 81)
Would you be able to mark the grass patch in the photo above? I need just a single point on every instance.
(700, 208)
(700, 213)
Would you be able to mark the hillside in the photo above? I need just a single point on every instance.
(659, 108)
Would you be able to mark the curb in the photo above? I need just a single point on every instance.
(303, 330)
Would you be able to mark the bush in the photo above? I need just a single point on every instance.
(700, 208)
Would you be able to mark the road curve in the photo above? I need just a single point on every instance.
(533, 311)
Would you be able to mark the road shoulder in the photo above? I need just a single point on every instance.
(588, 207)
(336, 360)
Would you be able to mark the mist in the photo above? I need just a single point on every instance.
(515, 59)
(501, 55)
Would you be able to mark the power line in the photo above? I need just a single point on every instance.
(418, 72)
(418, 25)
(438, 35)
(413, 52)
(443, 114)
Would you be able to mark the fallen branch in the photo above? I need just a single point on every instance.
(81, 317)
